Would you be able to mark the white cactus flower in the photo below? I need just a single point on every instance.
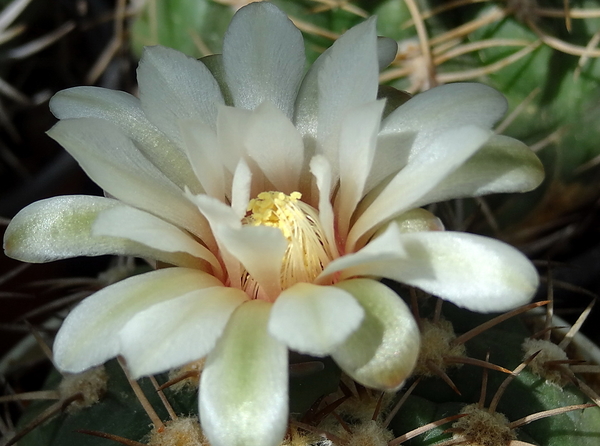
(274, 200)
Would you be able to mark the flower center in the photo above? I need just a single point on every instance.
(308, 250)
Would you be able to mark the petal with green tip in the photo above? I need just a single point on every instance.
(387, 49)
(90, 333)
(502, 165)
(314, 319)
(471, 271)
(244, 383)
(61, 227)
(383, 351)
(177, 331)
(417, 220)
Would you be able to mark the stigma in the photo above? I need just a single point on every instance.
(308, 250)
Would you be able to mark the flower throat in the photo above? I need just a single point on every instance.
(308, 250)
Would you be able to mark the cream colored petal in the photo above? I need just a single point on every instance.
(413, 126)
(502, 165)
(176, 87)
(357, 148)
(276, 146)
(116, 165)
(259, 248)
(232, 128)
(391, 155)
(216, 212)
(471, 271)
(244, 384)
(240, 189)
(175, 332)
(416, 220)
(61, 227)
(123, 110)
(426, 170)
(431, 113)
(385, 249)
(263, 66)
(90, 333)
(202, 148)
(146, 229)
(314, 319)
(383, 351)
(321, 170)
(219, 214)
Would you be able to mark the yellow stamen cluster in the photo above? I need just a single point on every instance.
(274, 209)
(308, 250)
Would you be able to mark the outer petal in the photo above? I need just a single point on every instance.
(90, 334)
(175, 332)
(415, 124)
(116, 165)
(416, 220)
(343, 77)
(259, 65)
(214, 63)
(387, 49)
(314, 319)
(348, 77)
(384, 349)
(442, 108)
(61, 227)
(123, 110)
(423, 173)
(502, 165)
(174, 86)
(244, 384)
(471, 271)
